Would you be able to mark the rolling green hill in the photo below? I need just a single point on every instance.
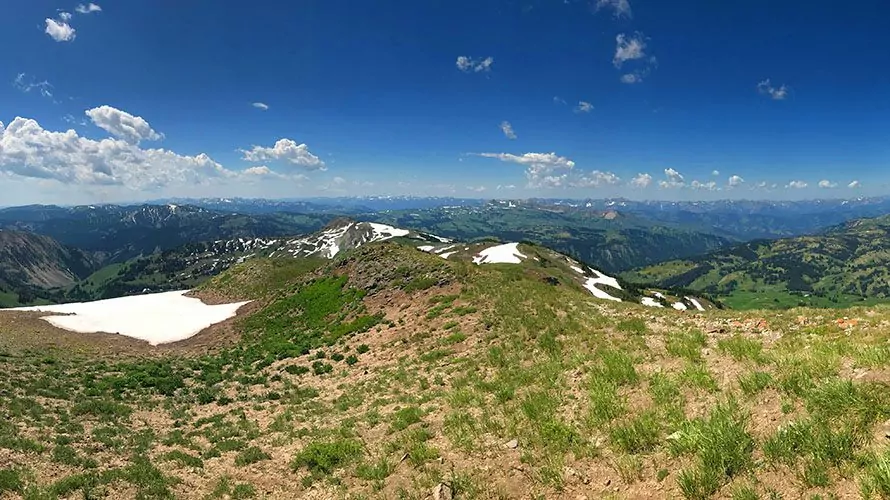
(844, 264)
(608, 239)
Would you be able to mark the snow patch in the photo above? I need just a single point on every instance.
(384, 232)
(695, 303)
(426, 248)
(508, 253)
(447, 254)
(650, 302)
(577, 269)
(658, 294)
(157, 318)
(679, 306)
(601, 279)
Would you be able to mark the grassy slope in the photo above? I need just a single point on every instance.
(845, 266)
(418, 372)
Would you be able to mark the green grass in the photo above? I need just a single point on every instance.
(686, 345)
(722, 448)
(11, 481)
(324, 457)
(640, 434)
(251, 455)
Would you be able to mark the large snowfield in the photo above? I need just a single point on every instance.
(508, 253)
(157, 318)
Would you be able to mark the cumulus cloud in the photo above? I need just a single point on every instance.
(673, 179)
(28, 150)
(260, 105)
(777, 94)
(25, 84)
(620, 7)
(468, 64)
(505, 187)
(735, 181)
(286, 150)
(59, 30)
(583, 107)
(65, 16)
(476, 189)
(594, 179)
(704, 186)
(263, 172)
(797, 185)
(827, 184)
(549, 170)
(122, 125)
(338, 181)
(715, 173)
(541, 169)
(507, 129)
(88, 8)
(853, 185)
(641, 181)
(629, 48)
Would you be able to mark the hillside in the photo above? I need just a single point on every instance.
(31, 263)
(614, 241)
(844, 264)
(391, 372)
(119, 233)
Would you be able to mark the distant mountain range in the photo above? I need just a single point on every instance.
(843, 264)
(94, 251)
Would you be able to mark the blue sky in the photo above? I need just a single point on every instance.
(122, 101)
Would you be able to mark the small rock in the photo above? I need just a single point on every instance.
(608, 482)
(442, 492)
(512, 444)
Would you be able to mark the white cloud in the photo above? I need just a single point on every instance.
(735, 181)
(853, 185)
(338, 181)
(27, 150)
(542, 169)
(89, 8)
(583, 107)
(260, 105)
(621, 7)
(641, 181)
(263, 172)
(476, 189)
(507, 129)
(60, 30)
(594, 179)
(122, 124)
(286, 150)
(467, 64)
(797, 185)
(549, 170)
(631, 78)
(704, 186)
(44, 87)
(715, 173)
(558, 100)
(826, 184)
(766, 88)
(505, 187)
(629, 48)
(65, 16)
(674, 179)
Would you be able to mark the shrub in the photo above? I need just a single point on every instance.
(326, 456)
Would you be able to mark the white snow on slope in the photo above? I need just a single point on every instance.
(601, 279)
(679, 306)
(658, 294)
(384, 232)
(426, 248)
(695, 303)
(577, 269)
(508, 253)
(447, 254)
(156, 318)
(650, 302)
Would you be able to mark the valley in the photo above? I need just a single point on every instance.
(417, 356)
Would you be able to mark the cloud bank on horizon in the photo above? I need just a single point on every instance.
(626, 119)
